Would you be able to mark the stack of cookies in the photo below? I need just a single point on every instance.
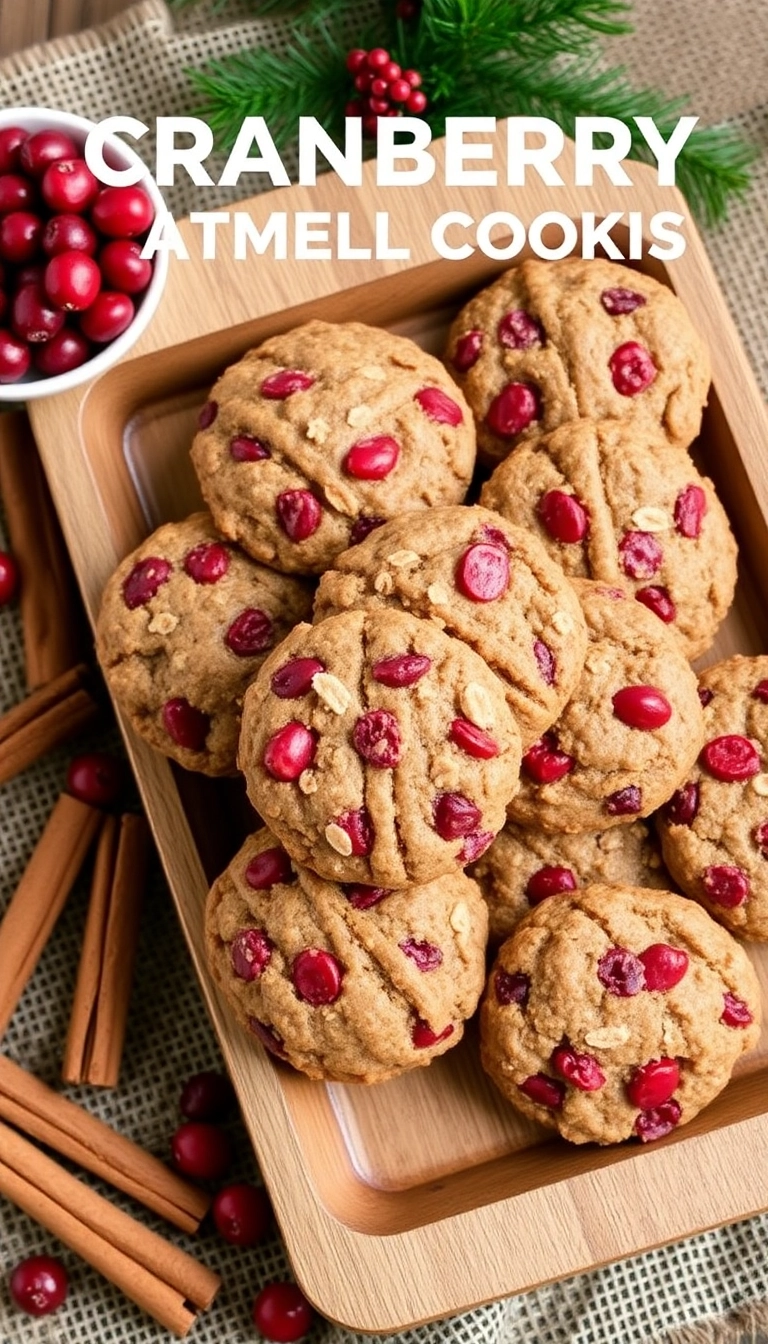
(503, 687)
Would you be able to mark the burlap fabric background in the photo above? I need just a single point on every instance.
(716, 50)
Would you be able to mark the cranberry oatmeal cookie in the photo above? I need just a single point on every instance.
(614, 1013)
(318, 435)
(551, 341)
(613, 502)
(350, 983)
(378, 749)
(483, 581)
(186, 621)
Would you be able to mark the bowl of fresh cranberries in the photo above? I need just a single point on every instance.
(75, 291)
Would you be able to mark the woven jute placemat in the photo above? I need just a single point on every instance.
(708, 1290)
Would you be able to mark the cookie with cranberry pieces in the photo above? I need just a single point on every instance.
(379, 749)
(551, 341)
(349, 983)
(617, 1012)
(613, 502)
(523, 867)
(714, 829)
(320, 434)
(487, 583)
(186, 621)
(630, 733)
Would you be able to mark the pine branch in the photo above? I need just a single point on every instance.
(549, 27)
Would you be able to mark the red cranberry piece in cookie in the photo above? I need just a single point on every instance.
(548, 881)
(358, 826)
(544, 1091)
(298, 513)
(207, 414)
(659, 1122)
(658, 600)
(269, 867)
(545, 661)
(581, 1071)
(642, 707)
(401, 669)
(467, 352)
(244, 448)
(617, 301)
(482, 573)
(513, 410)
(250, 633)
(690, 508)
(563, 516)
(511, 987)
(664, 966)
(653, 1083)
(760, 837)
(364, 898)
(424, 955)
(317, 976)
(473, 740)
(278, 386)
(207, 563)
(683, 806)
(363, 527)
(518, 330)
(621, 972)
(185, 725)
(372, 459)
(251, 953)
(624, 802)
(376, 737)
(760, 692)
(544, 763)
(455, 816)
(144, 581)
(726, 885)
(294, 679)
(474, 845)
(632, 369)
(290, 751)
(423, 1036)
(730, 758)
(640, 555)
(439, 407)
(705, 696)
(268, 1036)
(736, 1013)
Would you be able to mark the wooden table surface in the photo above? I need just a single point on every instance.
(23, 22)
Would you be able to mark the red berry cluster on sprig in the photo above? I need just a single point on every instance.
(385, 89)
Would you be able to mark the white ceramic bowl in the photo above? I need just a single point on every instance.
(119, 155)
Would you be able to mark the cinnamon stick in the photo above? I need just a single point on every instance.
(51, 616)
(154, 1273)
(39, 898)
(61, 1124)
(45, 719)
(82, 1019)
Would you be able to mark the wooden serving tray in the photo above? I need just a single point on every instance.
(426, 1195)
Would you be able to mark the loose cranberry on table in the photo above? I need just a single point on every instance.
(201, 1151)
(207, 1096)
(39, 1284)
(242, 1214)
(282, 1313)
(9, 578)
(96, 778)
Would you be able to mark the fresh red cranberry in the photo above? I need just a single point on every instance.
(109, 315)
(185, 725)
(39, 1284)
(377, 58)
(632, 369)
(244, 448)
(145, 580)
(11, 140)
(372, 459)
(683, 806)
(514, 409)
(736, 1013)
(15, 358)
(467, 352)
(357, 824)
(364, 898)
(123, 266)
(96, 778)
(69, 184)
(269, 867)
(43, 148)
(376, 737)
(207, 1096)
(658, 601)
(690, 508)
(473, 740)
(416, 103)
(399, 90)
(474, 845)
(68, 233)
(72, 281)
(544, 1091)
(16, 193)
(299, 513)
(511, 987)
(730, 758)
(423, 1036)
(207, 563)
(356, 59)
(401, 669)
(621, 972)
(317, 976)
(424, 955)
(9, 578)
(518, 330)
(250, 633)
(545, 661)
(642, 707)
(544, 763)
(581, 1071)
(657, 1123)
(548, 881)
(617, 301)
(290, 751)
(34, 317)
(640, 554)
(455, 816)
(624, 802)
(122, 212)
(664, 966)
(563, 516)
(282, 1313)
(20, 235)
(65, 351)
(653, 1083)
(278, 386)
(482, 573)
(207, 414)
(726, 885)
(250, 952)
(760, 837)
(201, 1151)
(294, 678)
(242, 1214)
(362, 528)
(439, 407)
(761, 692)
